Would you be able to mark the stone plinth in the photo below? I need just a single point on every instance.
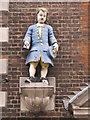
(37, 96)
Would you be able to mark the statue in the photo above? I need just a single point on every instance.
(42, 46)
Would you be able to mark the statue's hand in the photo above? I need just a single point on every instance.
(55, 47)
(26, 45)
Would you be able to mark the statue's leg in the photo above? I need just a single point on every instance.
(32, 69)
(44, 71)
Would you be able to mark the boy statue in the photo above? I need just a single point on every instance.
(43, 46)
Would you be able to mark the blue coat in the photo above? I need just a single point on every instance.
(39, 44)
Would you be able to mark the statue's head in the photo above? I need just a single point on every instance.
(41, 15)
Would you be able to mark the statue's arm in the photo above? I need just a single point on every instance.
(27, 38)
(52, 39)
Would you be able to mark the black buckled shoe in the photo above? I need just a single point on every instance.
(44, 80)
(30, 79)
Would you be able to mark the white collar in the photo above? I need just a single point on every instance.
(41, 25)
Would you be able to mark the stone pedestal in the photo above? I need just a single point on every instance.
(37, 96)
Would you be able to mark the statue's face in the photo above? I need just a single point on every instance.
(41, 17)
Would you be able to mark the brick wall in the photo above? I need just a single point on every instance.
(70, 25)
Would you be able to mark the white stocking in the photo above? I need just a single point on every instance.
(32, 70)
(44, 71)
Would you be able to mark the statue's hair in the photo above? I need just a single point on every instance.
(44, 10)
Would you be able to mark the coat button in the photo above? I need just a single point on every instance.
(41, 41)
(53, 51)
(38, 38)
(41, 44)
